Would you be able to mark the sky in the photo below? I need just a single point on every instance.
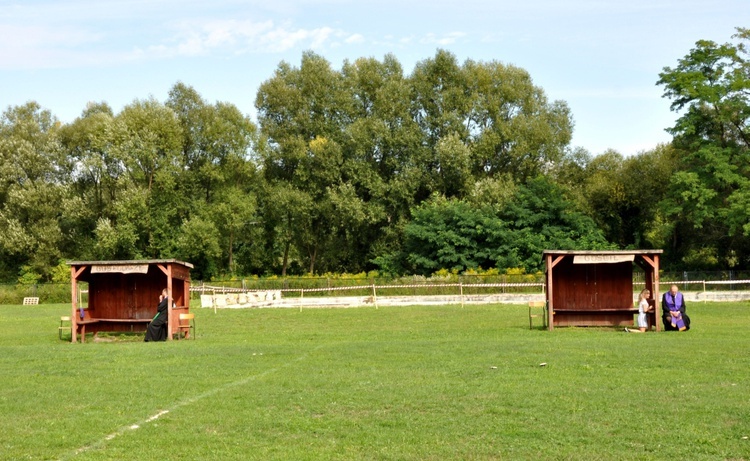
(602, 58)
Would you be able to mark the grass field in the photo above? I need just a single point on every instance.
(416, 383)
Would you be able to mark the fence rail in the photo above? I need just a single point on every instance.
(373, 288)
(405, 286)
(223, 289)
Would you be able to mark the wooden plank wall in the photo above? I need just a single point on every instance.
(592, 286)
(125, 296)
(131, 296)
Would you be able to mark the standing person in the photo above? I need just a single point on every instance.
(673, 311)
(643, 309)
(157, 329)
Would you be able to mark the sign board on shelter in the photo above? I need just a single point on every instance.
(602, 259)
(120, 269)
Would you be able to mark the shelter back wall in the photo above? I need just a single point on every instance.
(130, 296)
(591, 286)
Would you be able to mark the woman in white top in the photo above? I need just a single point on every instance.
(643, 308)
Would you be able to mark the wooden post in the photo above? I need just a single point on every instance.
(550, 304)
(657, 297)
(461, 289)
(374, 295)
(74, 303)
(170, 299)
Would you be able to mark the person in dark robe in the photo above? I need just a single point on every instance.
(673, 311)
(157, 328)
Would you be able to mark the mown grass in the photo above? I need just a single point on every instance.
(416, 383)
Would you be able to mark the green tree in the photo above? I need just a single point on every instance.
(380, 167)
(198, 240)
(218, 181)
(704, 208)
(512, 126)
(148, 146)
(449, 234)
(89, 142)
(35, 202)
(388, 142)
(543, 218)
(458, 234)
(302, 111)
(97, 178)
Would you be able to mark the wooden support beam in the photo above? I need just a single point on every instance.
(550, 305)
(652, 262)
(655, 291)
(170, 317)
(75, 274)
(74, 302)
(554, 263)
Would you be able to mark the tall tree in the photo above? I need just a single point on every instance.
(512, 126)
(35, 200)
(218, 179)
(460, 234)
(149, 146)
(705, 207)
(303, 112)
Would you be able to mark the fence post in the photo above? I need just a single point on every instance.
(461, 290)
(374, 295)
(301, 297)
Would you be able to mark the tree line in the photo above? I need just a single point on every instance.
(454, 166)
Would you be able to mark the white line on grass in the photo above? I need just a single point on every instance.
(180, 404)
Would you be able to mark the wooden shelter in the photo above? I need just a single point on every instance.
(123, 295)
(595, 288)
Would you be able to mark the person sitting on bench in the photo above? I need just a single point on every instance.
(157, 329)
(673, 311)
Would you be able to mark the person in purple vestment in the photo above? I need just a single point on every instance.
(673, 310)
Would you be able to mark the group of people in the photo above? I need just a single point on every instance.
(672, 303)
(673, 316)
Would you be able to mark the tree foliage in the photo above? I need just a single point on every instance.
(705, 208)
(368, 144)
(453, 166)
(459, 235)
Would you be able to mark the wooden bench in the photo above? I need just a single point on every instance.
(90, 321)
(593, 317)
(30, 301)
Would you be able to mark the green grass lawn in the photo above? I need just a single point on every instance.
(415, 383)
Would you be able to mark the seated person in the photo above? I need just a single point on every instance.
(673, 311)
(157, 329)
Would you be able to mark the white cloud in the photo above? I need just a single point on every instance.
(320, 36)
(239, 37)
(41, 47)
(448, 39)
(50, 45)
(354, 39)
